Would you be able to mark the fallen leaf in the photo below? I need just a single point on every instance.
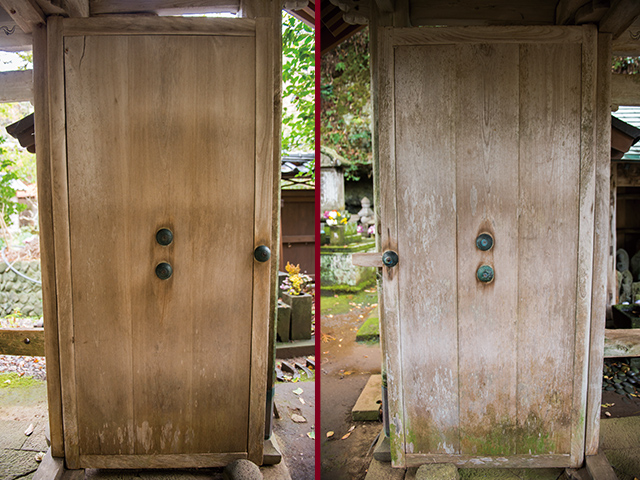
(298, 418)
(607, 414)
(298, 391)
(330, 434)
(301, 400)
(311, 435)
(346, 435)
(39, 456)
(29, 430)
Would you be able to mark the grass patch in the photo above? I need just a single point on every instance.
(370, 329)
(343, 303)
(13, 380)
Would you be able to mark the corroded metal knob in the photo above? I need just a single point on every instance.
(484, 242)
(164, 271)
(164, 236)
(262, 253)
(485, 273)
(390, 258)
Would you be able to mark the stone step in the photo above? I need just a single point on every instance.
(368, 405)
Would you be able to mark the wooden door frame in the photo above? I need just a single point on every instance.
(55, 229)
(593, 230)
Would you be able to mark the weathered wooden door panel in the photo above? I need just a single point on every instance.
(486, 136)
(166, 131)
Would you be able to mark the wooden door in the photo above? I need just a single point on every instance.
(487, 130)
(168, 124)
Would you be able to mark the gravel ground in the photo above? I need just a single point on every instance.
(30, 366)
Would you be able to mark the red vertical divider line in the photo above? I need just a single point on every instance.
(318, 28)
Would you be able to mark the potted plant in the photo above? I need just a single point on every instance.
(294, 295)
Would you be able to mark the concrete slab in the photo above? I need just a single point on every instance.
(368, 405)
(438, 471)
(625, 462)
(17, 464)
(384, 471)
(382, 451)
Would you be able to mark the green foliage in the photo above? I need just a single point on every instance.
(298, 78)
(628, 65)
(346, 102)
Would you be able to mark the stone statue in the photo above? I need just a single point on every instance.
(625, 286)
(635, 266)
(366, 213)
(622, 260)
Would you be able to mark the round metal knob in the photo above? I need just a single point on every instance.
(164, 236)
(164, 271)
(390, 258)
(484, 242)
(485, 273)
(262, 253)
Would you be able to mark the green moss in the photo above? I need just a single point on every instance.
(341, 303)
(13, 380)
(346, 289)
(351, 248)
(370, 329)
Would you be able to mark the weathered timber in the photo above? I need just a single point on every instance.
(23, 341)
(622, 343)
(16, 86)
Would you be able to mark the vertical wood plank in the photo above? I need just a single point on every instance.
(587, 200)
(263, 233)
(389, 241)
(47, 252)
(58, 145)
(425, 182)
(550, 129)
(600, 243)
(100, 274)
(486, 124)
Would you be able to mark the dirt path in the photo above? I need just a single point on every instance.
(344, 371)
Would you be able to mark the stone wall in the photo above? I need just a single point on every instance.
(17, 292)
(337, 272)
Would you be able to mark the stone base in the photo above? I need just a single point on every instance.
(382, 452)
(272, 454)
(438, 471)
(367, 408)
(383, 471)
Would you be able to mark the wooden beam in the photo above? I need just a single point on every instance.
(599, 467)
(99, 7)
(385, 6)
(26, 13)
(16, 86)
(619, 17)
(12, 38)
(625, 90)
(22, 341)
(628, 175)
(76, 8)
(367, 259)
(566, 11)
(628, 43)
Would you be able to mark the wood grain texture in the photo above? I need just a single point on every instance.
(208, 460)
(16, 86)
(60, 202)
(170, 398)
(23, 341)
(474, 461)
(613, 242)
(137, 25)
(390, 325)
(26, 13)
(76, 8)
(619, 17)
(262, 233)
(482, 12)
(600, 244)
(550, 97)
(427, 277)
(175, 7)
(599, 467)
(504, 34)
(470, 159)
(486, 120)
(586, 232)
(47, 251)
